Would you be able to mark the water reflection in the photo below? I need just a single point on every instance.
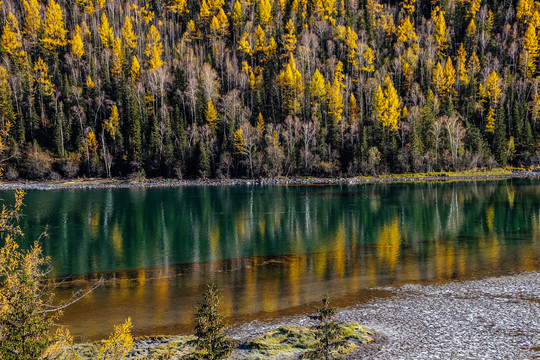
(275, 250)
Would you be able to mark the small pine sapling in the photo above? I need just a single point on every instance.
(211, 343)
(329, 334)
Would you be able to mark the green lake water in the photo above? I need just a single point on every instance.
(273, 250)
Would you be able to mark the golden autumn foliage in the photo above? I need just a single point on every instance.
(42, 77)
(11, 36)
(212, 116)
(77, 46)
(335, 95)
(117, 57)
(461, 65)
(387, 105)
(91, 142)
(317, 86)
(289, 39)
(490, 121)
(32, 19)
(531, 48)
(154, 49)
(292, 84)
(130, 38)
(491, 91)
(178, 7)
(265, 12)
(105, 32)
(135, 70)
(112, 123)
(119, 343)
(405, 31)
(437, 16)
(55, 32)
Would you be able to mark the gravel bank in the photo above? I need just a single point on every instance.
(495, 318)
(122, 183)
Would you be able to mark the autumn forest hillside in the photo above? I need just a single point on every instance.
(186, 88)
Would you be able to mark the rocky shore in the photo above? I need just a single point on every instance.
(495, 318)
(100, 183)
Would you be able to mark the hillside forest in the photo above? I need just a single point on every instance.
(236, 88)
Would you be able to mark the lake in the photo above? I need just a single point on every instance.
(273, 250)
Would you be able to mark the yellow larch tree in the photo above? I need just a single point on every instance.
(405, 31)
(215, 27)
(289, 39)
(212, 116)
(154, 49)
(408, 6)
(525, 10)
(260, 124)
(265, 12)
(77, 46)
(215, 5)
(474, 6)
(491, 91)
(471, 29)
(259, 39)
(105, 32)
(135, 70)
(223, 22)
(130, 38)
(117, 57)
(91, 142)
(334, 93)
(42, 77)
(204, 13)
(387, 105)
(490, 121)
(437, 77)
(473, 67)
(55, 32)
(449, 79)
(351, 39)
(461, 65)
(178, 7)
(407, 72)
(437, 16)
(237, 14)
(330, 11)
(354, 110)
(244, 44)
(529, 57)
(90, 83)
(111, 124)
(369, 60)
(317, 87)
(11, 36)
(290, 80)
(32, 19)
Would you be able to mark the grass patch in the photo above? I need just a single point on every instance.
(286, 342)
(476, 172)
(291, 341)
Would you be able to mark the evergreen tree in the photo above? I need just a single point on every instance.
(211, 343)
(329, 335)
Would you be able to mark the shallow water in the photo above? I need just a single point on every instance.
(274, 250)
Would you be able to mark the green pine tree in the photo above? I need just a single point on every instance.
(211, 343)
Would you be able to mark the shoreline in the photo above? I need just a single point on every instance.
(114, 183)
(491, 318)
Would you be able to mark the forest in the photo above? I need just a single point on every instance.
(253, 88)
